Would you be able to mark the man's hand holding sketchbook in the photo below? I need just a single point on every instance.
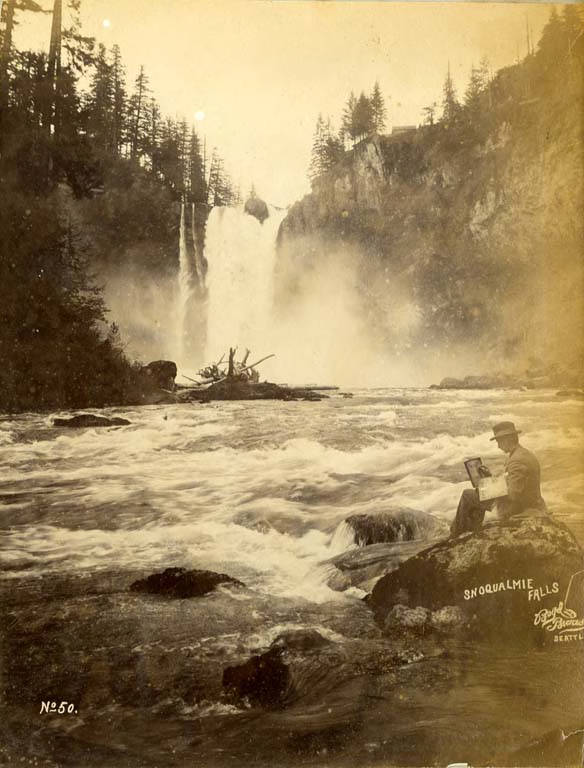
(488, 487)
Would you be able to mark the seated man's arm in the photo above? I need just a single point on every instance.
(516, 477)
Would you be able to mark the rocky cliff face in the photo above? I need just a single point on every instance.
(478, 226)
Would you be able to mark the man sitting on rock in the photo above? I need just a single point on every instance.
(522, 474)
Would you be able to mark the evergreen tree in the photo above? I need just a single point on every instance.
(197, 185)
(153, 143)
(119, 100)
(472, 96)
(573, 26)
(552, 45)
(378, 111)
(430, 113)
(327, 148)
(363, 123)
(318, 142)
(138, 115)
(348, 119)
(170, 164)
(8, 13)
(333, 149)
(450, 105)
(100, 103)
(78, 48)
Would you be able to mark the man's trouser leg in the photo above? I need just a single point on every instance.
(470, 513)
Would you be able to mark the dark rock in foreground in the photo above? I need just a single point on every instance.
(90, 420)
(395, 525)
(492, 575)
(273, 679)
(263, 680)
(180, 583)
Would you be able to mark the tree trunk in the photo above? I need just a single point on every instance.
(54, 71)
(4, 59)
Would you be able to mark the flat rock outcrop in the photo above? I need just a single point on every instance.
(90, 420)
(180, 583)
(364, 566)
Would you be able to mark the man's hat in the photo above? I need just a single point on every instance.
(504, 428)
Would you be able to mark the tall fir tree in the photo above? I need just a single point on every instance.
(119, 100)
(378, 110)
(348, 119)
(315, 168)
(450, 105)
(197, 185)
(138, 115)
(100, 102)
(363, 121)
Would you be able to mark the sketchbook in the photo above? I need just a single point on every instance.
(489, 488)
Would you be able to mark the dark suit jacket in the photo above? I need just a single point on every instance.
(523, 478)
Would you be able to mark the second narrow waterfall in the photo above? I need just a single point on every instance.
(241, 255)
(185, 285)
(190, 324)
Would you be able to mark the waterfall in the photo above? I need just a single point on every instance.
(241, 256)
(185, 285)
(190, 331)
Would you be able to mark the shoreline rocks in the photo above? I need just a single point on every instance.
(539, 378)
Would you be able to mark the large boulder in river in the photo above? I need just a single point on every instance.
(180, 583)
(395, 525)
(257, 208)
(90, 420)
(155, 381)
(501, 576)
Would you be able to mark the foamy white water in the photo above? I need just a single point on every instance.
(241, 255)
(259, 490)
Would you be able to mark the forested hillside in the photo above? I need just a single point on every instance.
(91, 176)
(472, 221)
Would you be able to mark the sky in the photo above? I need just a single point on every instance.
(258, 72)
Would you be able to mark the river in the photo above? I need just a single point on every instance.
(258, 491)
